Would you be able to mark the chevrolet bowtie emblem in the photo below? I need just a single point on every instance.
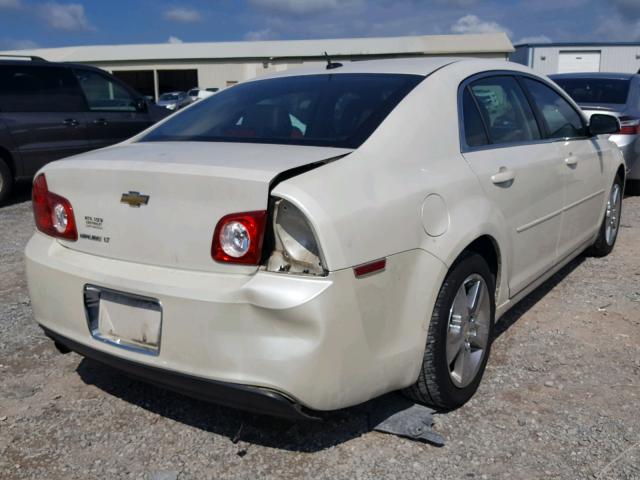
(134, 199)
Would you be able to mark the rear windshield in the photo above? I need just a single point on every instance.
(339, 110)
(595, 90)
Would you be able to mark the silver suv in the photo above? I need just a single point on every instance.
(616, 94)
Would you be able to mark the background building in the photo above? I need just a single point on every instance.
(548, 58)
(155, 69)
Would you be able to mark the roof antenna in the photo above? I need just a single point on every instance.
(331, 65)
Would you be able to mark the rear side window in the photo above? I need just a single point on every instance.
(474, 132)
(596, 91)
(26, 88)
(505, 110)
(104, 94)
(339, 110)
(560, 118)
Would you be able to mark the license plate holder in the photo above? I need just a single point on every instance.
(125, 320)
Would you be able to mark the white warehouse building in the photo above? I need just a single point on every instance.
(549, 58)
(158, 68)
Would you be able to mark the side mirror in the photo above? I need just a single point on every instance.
(601, 124)
(141, 105)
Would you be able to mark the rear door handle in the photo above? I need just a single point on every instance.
(503, 176)
(571, 161)
(101, 122)
(71, 122)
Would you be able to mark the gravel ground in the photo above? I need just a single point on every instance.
(560, 398)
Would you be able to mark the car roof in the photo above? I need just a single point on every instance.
(31, 61)
(422, 66)
(603, 75)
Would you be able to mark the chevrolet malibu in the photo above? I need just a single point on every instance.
(311, 240)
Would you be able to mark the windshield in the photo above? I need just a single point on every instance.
(193, 92)
(168, 96)
(595, 90)
(339, 110)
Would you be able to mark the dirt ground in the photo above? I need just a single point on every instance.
(560, 398)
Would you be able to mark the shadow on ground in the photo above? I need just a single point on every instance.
(301, 436)
(311, 436)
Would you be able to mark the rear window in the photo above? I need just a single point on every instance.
(595, 90)
(340, 110)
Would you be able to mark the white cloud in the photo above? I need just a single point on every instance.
(264, 34)
(183, 15)
(629, 9)
(18, 44)
(534, 39)
(304, 7)
(615, 28)
(10, 3)
(68, 16)
(473, 24)
(173, 39)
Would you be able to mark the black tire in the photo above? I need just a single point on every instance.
(434, 386)
(6, 181)
(603, 247)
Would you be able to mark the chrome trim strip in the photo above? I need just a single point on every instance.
(557, 212)
(540, 220)
(585, 199)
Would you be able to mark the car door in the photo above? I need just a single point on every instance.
(42, 109)
(518, 170)
(114, 113)
(583, 169)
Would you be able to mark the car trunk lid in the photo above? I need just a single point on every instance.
(158, 203)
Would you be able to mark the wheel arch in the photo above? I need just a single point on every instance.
(621, 172)
(488, 248)
(8, 159)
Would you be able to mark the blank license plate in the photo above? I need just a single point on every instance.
(129, 321)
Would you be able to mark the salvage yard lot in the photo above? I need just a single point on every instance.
(560, 398)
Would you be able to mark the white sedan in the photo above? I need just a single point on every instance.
(314, 239)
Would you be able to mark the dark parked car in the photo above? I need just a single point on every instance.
(616, 94)
(53, 110)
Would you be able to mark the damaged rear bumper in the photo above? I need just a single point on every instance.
(243, 397)
(324, 343)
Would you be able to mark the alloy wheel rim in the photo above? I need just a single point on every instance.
(612, 217)
(468, 330)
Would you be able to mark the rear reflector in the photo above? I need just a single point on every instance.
(371, 267)
(53, 213)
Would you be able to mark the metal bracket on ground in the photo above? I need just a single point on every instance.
(399, 416)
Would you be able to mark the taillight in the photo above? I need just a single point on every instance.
(53, 213)
(629, 126)
(238, 238)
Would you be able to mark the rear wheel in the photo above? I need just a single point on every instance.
(6, 181)
(610, 224)
(459, 338)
